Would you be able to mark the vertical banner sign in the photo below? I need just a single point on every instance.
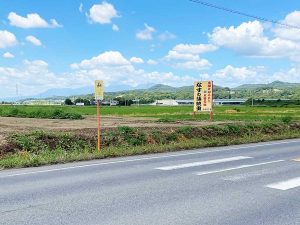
(99, 95)
(203, 96)
(197, 96)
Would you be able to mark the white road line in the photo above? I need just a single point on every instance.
(285, 185)
(149, 158)
(202, 163)
(237, 168)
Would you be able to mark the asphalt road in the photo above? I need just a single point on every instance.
(248, 184)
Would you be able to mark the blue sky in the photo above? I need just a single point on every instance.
(68, 44)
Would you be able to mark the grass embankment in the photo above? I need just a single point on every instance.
(164, 114)
(40, 112)
(40, 148)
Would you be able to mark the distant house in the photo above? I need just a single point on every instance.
(105, 102)
(79, 104)
(114, 103)
(165, 102)
(185, 102)
(110, 102)
(171, 102)
(229, 101)
(43, 102)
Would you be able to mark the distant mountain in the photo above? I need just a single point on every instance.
(61, 92)
(161, 88)
(150, 93)
(275, 84)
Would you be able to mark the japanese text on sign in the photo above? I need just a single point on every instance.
(99, 90)
(203, 96)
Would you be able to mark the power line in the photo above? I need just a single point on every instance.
(244, 14)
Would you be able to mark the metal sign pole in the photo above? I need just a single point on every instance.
(99, 95)
(99, 130)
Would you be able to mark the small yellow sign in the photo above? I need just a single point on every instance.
(99, 90)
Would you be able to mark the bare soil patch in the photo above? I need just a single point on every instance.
(11, 124)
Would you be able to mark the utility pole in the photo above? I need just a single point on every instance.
(17, 92)
(252, 98)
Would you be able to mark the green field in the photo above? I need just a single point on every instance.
(40, 147)
(166, 114)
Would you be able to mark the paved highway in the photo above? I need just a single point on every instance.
(248, 184)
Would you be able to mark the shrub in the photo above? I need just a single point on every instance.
(186, 131)
(172, 137)
(286, 119)
(13, 112)
(237, 109)
(132, 136)
(39, 113)
(232, 129)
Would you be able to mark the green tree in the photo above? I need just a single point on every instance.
(68, 102)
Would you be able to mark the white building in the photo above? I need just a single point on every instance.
(165, 102)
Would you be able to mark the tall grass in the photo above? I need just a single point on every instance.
(39, 148)
(163, 114)
(41, 112)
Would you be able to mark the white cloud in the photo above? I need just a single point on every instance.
(119, 70)
(54, 24)
(7, 39)
(33, 40)
(32, 20)
(146, 34)
(152, 62)
(200, 64)
(174, 55)
(106, 59)
(32, 77)
(33, 83)
(36, 66)
(249, 39)
(136, 60)
(115, 27)
(195, 49)
(8, 55)
(233, 73)
(291, 75)
(81, 7)
(287, 32)
(233, 76)
(187, 56)
(103, 13)
(167, 36)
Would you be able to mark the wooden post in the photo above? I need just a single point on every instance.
(99, 129)
(211, 116)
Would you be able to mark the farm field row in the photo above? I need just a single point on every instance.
(58, 134)
(165, 114)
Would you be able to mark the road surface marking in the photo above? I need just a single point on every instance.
(286, 185)
(202, 163)
(149, 158)
(237, 168)
(297, 160)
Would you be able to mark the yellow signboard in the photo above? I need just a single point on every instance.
(99, 90)
(203, 96)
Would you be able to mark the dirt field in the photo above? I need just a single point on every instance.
(12, 124)
(87, 126)
(8, 124)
